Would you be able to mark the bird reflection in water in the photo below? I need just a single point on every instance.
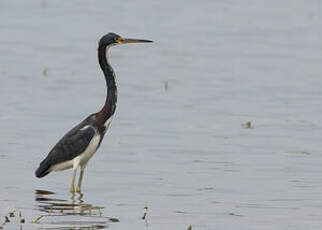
(69, 214)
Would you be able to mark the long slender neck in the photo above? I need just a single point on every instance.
(111, 97)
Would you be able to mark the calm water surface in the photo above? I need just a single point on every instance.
(177, 142)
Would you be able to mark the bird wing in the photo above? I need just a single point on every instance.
(70, 146)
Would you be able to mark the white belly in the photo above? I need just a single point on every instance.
(81, 159)
(89, 151)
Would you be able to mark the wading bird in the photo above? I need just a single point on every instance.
(81, 142)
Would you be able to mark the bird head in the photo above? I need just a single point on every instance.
(114, 39)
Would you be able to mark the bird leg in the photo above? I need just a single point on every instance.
(79, 185)
(72, 189)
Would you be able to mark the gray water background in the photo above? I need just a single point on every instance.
(177, 141)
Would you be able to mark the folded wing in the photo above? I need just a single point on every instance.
(70, 146)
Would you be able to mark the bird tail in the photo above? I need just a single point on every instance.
(43, 169)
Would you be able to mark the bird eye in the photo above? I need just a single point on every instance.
(118, 39)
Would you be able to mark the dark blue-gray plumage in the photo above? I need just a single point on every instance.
(70, 146)
(78, 145)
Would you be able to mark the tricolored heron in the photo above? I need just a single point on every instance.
(81, 142)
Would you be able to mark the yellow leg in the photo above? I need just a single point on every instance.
(72, 189)
(79, 185)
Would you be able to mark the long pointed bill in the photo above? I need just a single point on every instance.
(130, 40)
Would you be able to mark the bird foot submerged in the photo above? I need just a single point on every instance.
(78, 189)
(72, 189)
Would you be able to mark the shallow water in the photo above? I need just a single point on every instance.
(178, 142)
